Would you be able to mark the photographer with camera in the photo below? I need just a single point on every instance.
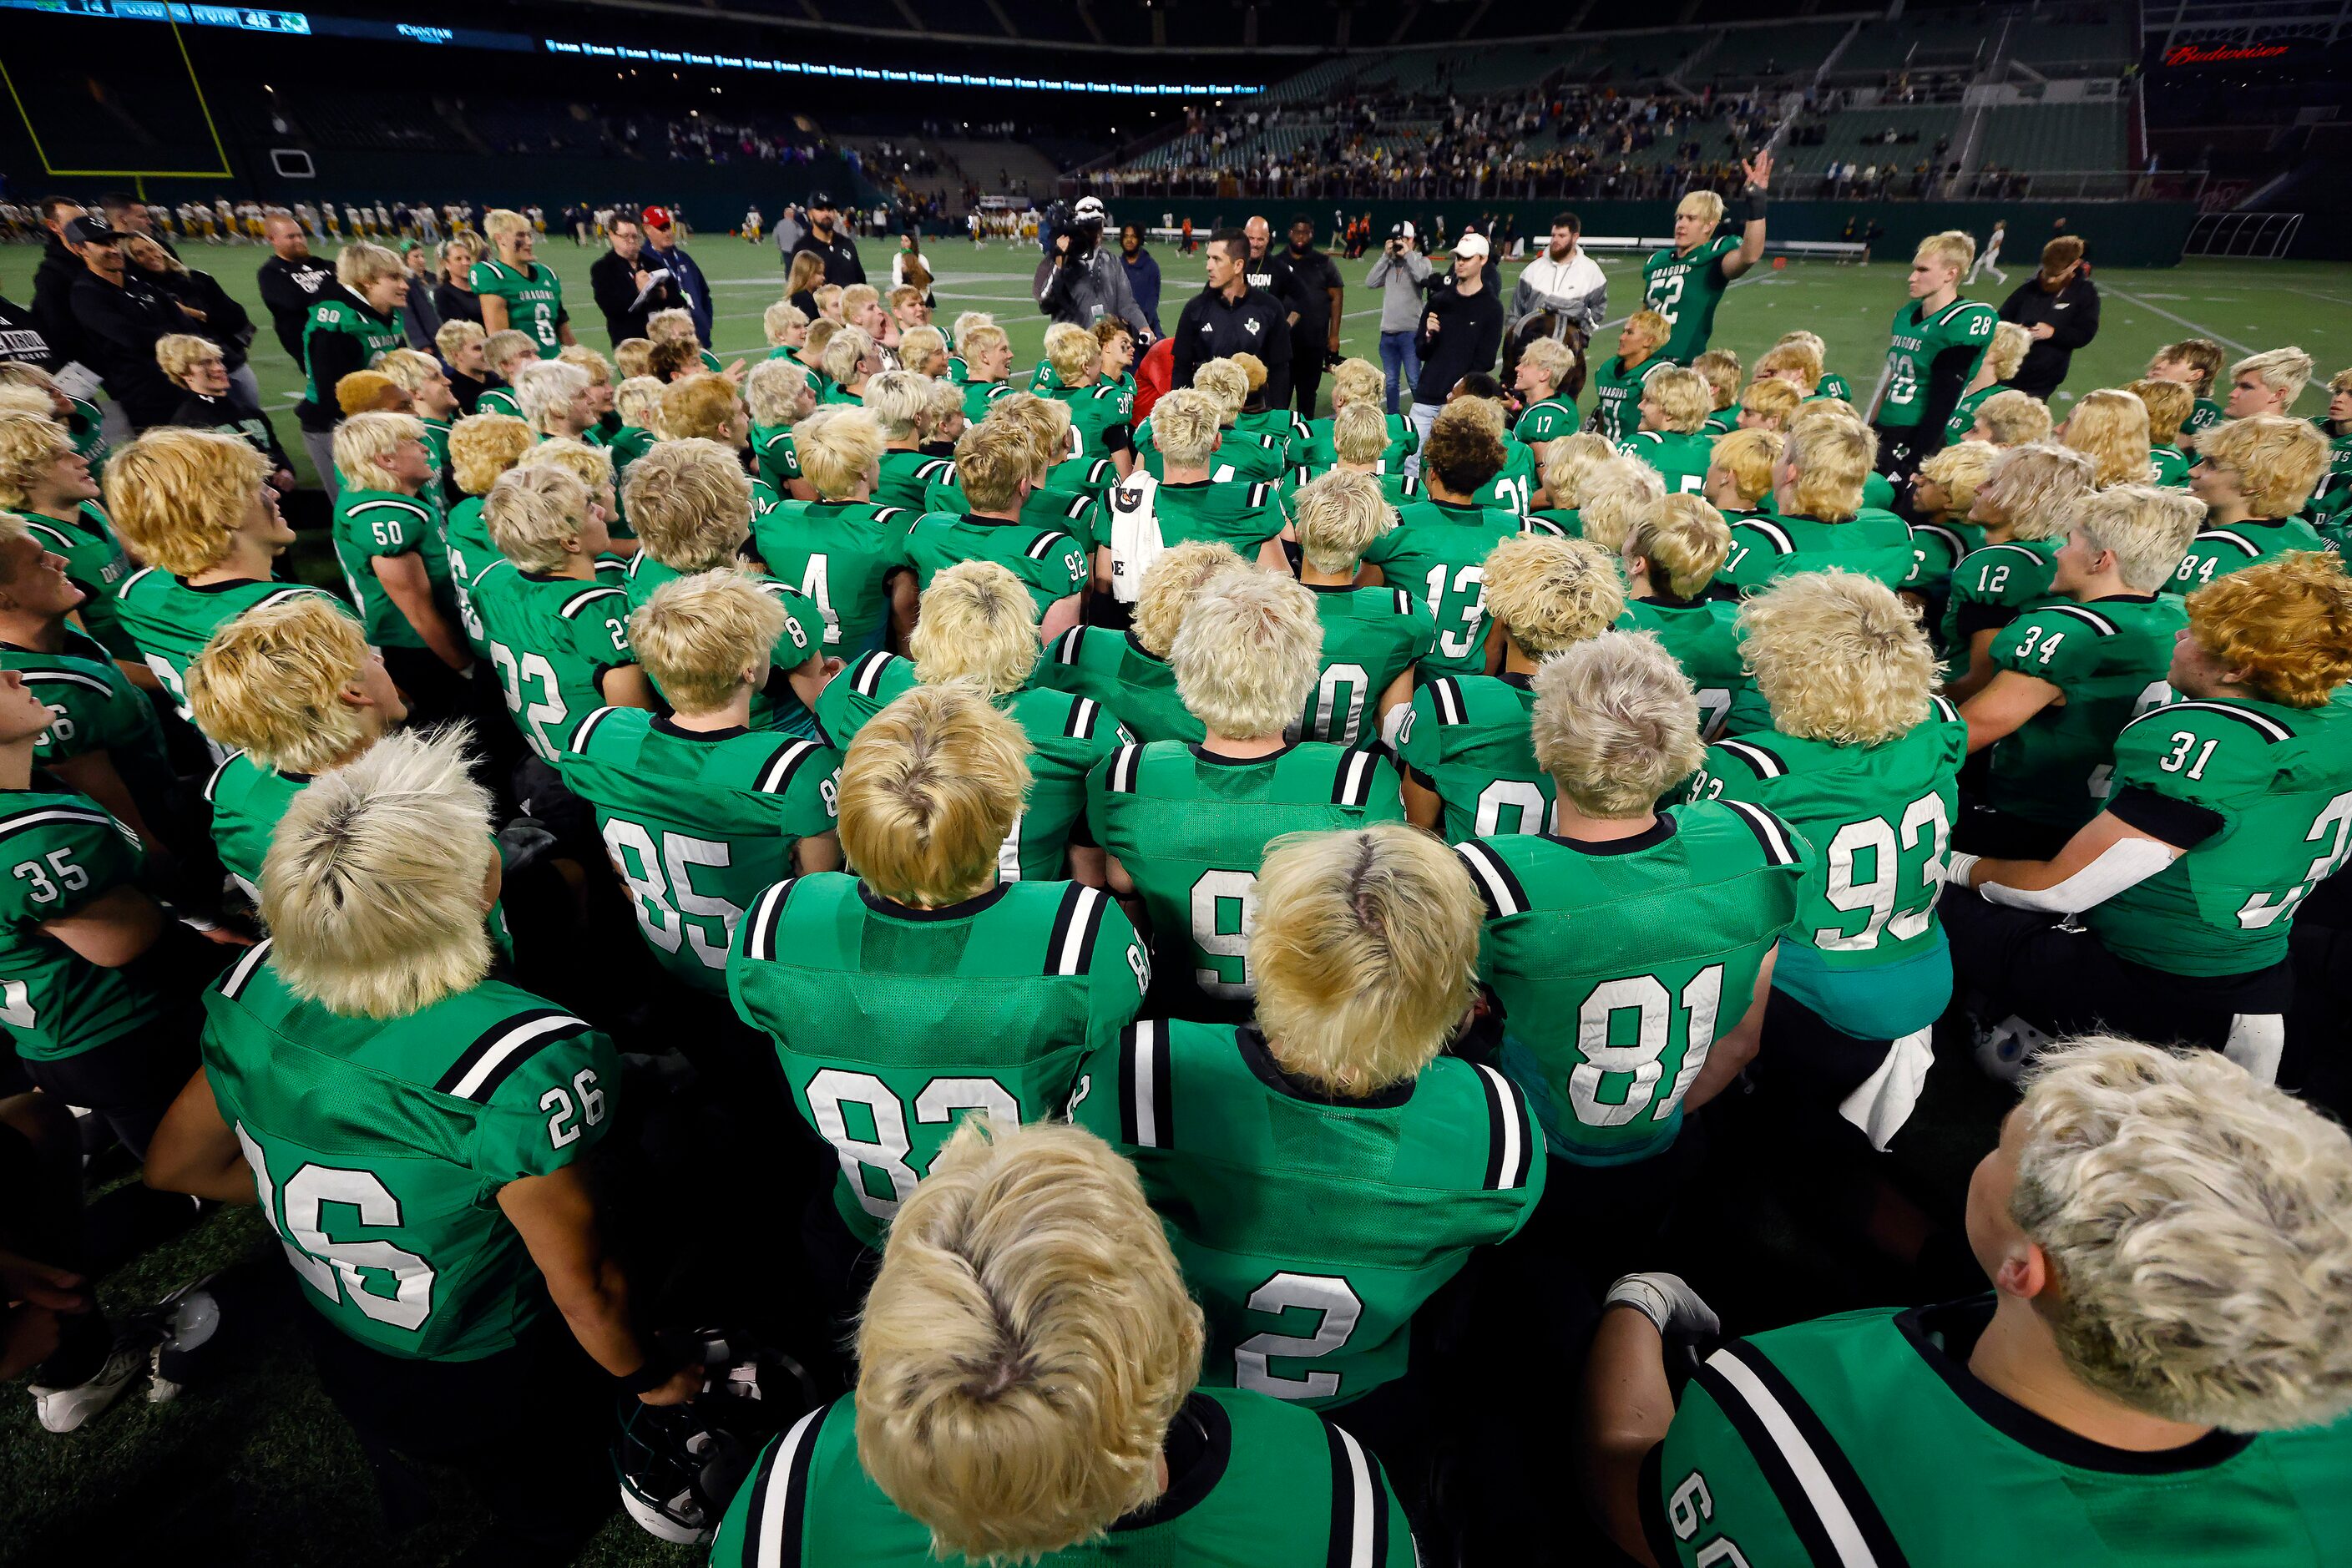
(1400, 274)
(1078, 282)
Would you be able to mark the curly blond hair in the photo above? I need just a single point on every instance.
(2286, 622)
(1616, 723)
(1547, 594)
(1839, 657)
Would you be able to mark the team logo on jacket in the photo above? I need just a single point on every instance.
(1250, 327)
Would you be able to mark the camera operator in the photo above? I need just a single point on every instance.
(1078, 282)
(1400, 274)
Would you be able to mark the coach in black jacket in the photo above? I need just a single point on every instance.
(121, 318)
(2060, 306)
(626, 286)
(1229, 317)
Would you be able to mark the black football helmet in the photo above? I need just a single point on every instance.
(679, 1465)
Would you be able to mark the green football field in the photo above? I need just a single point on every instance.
(256, 1468)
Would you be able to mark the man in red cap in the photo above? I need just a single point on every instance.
(662, 250)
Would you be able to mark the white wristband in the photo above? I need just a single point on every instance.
(1956, 867)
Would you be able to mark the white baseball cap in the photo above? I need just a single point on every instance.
(1089, 207)
(1470, 245)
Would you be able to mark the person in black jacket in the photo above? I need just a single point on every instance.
(842, 264)
(2060, 307)
(22, 340)
(291, 281)
(1460, 332)
(1307, 282)
(53, 281)
(120, 318)
(629, 288)
(209, 310)
(1229, 317)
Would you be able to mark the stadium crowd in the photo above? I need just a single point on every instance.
(1196, 980)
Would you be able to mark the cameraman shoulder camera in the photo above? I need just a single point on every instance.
(1081, 234)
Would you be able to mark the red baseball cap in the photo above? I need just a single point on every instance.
(656, 217)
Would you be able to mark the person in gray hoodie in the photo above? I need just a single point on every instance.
(1078, 282)
(1400, 274)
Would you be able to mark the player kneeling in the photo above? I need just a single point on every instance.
(1027, 1360)
(2160, 1377)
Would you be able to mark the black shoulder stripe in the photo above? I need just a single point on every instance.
(1497, 885)
(1121, 779)
(65, 677)
(1510, 1138)
(1779, 845)
(587, 727)
(1071, 945)
(1404, 602)
(884, 513)
(213, 783)
(234, 982)
(776, 774)
(1826, 1503)
(1945, 710)
(1765, 765)
(766, 913)
(2222, 535)
(868, 675)
(41, 816)
(1353, 784)
(1066, 650)
(1039, 546)
(492, 1058)
(2268, 729)
(774, 1524)
(1358, 1521)
(1144, 1102)
(1081, 725)
(1258, 492)
(1445, 696)
(2092, 619)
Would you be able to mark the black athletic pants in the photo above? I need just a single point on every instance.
(132, 1081)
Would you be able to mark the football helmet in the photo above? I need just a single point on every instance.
(679, 1465)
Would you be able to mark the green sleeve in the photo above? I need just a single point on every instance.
(1420, 740)
(1750, 564)
(808, 807)
(600, 637)
(1119, 975)
(1706, 1499)
(1098, 801)
(1387, 802)
(1061, 573)
(550, 1109)
(2057, 648)
(67, 863)
(1424, 629)
(1094, 1092)
(378, 529)
(483, 279)
(2201, 758)
(83, 721)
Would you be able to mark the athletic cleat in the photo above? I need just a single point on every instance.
(65, 1409)
(185, 1323)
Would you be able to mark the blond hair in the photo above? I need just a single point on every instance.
(1953, 247)
(1682, 398)
(592, 465)
(1359, 431)
(1548, 593)
(507, 344)
(638, 399)
(1073, 351)
(2285, 623)
(1252, 371)
(599, 368)
(928, 791)
(177, 354)
(2168, 406)
(2193, 1221)
(1705, 206)
(407, 369)
(992, 460)
(1226, 383)
(2150, 529)
(1186, 427)
(1026, 1345)
(364, 391)
(2014, 418)
(2007, 351)
(1047, 422)
(699, 405)
(984, 334)
(373, 886)
(839, 449)
(2285, 371)
(18, 397)
(1773, 400)
(1793, 353)
(1611, 498)
(365, 442)
(546, 389)
(633, 357)
(828, 304)
(1684, 540)
(856, 297)
(844, 352)
(2110, 427)
(674, 325)
(1616, 723)
(1246, 654)
(1750, 456)
(1838, 656)
(1569, 461)
(500, 222)
(701, 637)
(1555, 359)
(976, 621)
(778, 395)
(967, 323)
(1961, 469)
(918, 345)
(1365, 952)
(1357, 381)
(484, 445)
(2279, 459)
(1170, 586)
(1831, 460)
(899, 400)
(1720, 367)
(781, 321)
(691, 503)
(533, 512)
(179, 497)
(28, 444)
(1653, 326)
(358, 263)
(270, 683)
(2035, 488)
(1337, 517)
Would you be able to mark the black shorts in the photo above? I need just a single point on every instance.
(129, 1081)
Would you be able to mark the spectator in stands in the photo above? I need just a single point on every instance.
(1142, 273)
(291, 281)
(454, 298)
(663, 253)
(121, 318)
(1399, 274)
(2059, 306)
(630, 286)
(1461, 332)
(1230, 316)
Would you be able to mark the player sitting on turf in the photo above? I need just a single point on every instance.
(1514, 486)
(676, 325)
(1026, 1362)
(1286, 429)
(706, 407)
(48, 483)
(1463, 745)
(2168, 405)
(1799, 358)
(2110, 427)
(785, 326)
(1185, 500)
(944, 422)
(1740, 473)
(1439, 542)
(2159, 1232)
(1672, 436)
(1127, 671)
(1768, 405)
(593, 467)
(481, 447)
(2010, 418)
(2253, 474)
(1943, 492)
(1938, 340)
(987, 355)
(1817, 517)
(1617, 492)
(1721, 369)
(552, 397)
(1687, 281)
(2267, 382)
(2195, 363)
(850, 358)
(2001, 357)
(927, 984)
(505, 353)
(1617, 381)
(1372, 636)
(606, 421)
(999, 463)
(1185, 825)
(1670, 557)
(2023, 505)
(900, 401)
(846, 552)
(1564, 470)
(446, 1344)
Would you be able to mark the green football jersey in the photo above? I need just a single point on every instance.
(1936, 549)
(437, 446)
(533, 295)
(1880, 816)
(901, 484)
(979, 394)
(499, 399)
(93, 707)
(1050, 564)
(1684, 286)
(96, 563)
(775, 708)
(858, 690)
(373, 524)
(1310, 1228)
(1681, 460)
(2218, 552)
(2171, 467)
(552, 640)
(1239, 456)
(696, 824)
(1994, 584)
(1371, 637)
(2203, 415)
(1764, 550)
(248, 802)
(1832, 385)
(1437, 552)
(1616, 966)
(1864, 1437)
(889, 1022)
(2276, 783)
(1703, 634)
(1112, 668)
(1272, 1486)
(1404, 441)
(1286, 429)
(1547, 419)
(342, 312)
(779, 459)
(391, 1217)
(1964, 413)
(170, 620)
(1513, 488)
(65, 852)
(2109, 659)
(1722, 422)
(1918, 339)
(2334, 496)
(1098, 419)
(467, 539)
(1082, 476)
(1397, 485)
(1617, 395)
(1191, 829)
(628, 443)
(1078, 513)
(1465, 741)
(1146, 509)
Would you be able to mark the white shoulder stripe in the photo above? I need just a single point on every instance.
(1768, 827)
(1359, 1516)
(781, 766)
(2099, 622)
(66, 677)
(1501, 892)
(1771, 531)
(507, 1046)
(779, 1494)
(254, 958)
(1765, 764)
(1811, 1476)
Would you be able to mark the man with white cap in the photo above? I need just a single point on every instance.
(1400, 275)
(1460, 332)
(1079, 282)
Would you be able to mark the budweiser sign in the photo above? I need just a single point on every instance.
(2215, 54)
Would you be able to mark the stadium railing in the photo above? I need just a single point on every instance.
(1908, 184)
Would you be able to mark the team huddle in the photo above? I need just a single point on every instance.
(1219, 958)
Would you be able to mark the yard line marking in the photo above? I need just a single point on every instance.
(2201, 329)
(2315, 294)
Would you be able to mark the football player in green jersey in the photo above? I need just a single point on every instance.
(1363, 951)
(1768, 403)
(1284, 428)
(637, 402)
(2011, 418)
(1072, 1367)
(1618, 1032)
(470, 1174)
(927, 986)
(1463, 746)
(2157, 1364)
(1673, 436)
(559, 638)
(988, 358)
(1570, 459)
(785, 326)
(1670, 557)
(1358, 443)
(1514, 484)
(435, 403)
(2225, 811)
(517, 291)
(198, 508)
(295, 689)
(2254, 475)
(1359, 381)
(1066, 485)
(2195, 363)
(699, 810)
(1241, 455)
(850, 359)
(1687, 281)
(2023, 505)
(1100, 411)
(390, 543)
(1186, 825)
(481, 447)
(2002, 358)
(1128, 672)
(1943, 491)
(1438, 549)
(998, 464)
(48, 484)
(1740, 473)
(2168, 403)
(1801, 358)
(899, 402)
(1617, 382)
(2333, 500)
(2072, 673)
(2110, 427)
(2266, 382)
(777, 401)
(1931, 355)
(1184, 500)
(554, 399)
(1721, 369)
(1865, 766)
(1818, 519)
(505, 353)
(1372, 638)
(348, 326)
(846, 552)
